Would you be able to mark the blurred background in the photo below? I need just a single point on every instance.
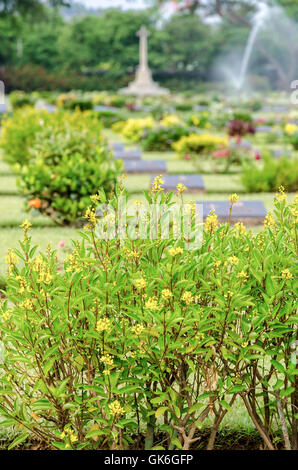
(193, 45)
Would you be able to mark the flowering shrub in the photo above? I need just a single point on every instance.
(273, 173)
(200, 120)
(196, 144)
(133, 129)
(18, 99)
(68, 162)
(161, 138)
(170, 120)
(18, 133)
(143, 336)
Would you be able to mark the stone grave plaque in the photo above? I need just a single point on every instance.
(105, 109)
(145, 166)
(248, 212)
(278, 153)
(193, 183)
(133, 154)
(116, 146)
(263, 129)
(244, 144)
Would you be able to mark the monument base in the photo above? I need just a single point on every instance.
(143, 85)
(142, 89)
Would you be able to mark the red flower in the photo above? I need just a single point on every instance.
(187, 157)
(257, 156)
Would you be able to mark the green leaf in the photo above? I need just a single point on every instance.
(160, 411)
(18, 440)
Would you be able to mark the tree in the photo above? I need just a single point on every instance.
(33, 8)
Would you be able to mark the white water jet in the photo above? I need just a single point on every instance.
(258, 22)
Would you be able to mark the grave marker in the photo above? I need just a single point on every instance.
(248, 212)
(133, 154)
(145, 166)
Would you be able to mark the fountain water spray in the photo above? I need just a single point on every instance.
(258, 22)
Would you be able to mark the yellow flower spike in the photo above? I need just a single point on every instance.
(151, 304)
(233, 260)
(211, 222)
(175, 251)
(116, 408)
(156, 184)
(103, 325)
(281, 195)
(269, 220)
(140, 283)
(137, 329)
(181, 188)
(240, 228)
(242, 275)
(286, 274)
(234, 198)
(187, 297)
(166, 294)
(95, 198)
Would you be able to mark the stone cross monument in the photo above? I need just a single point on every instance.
(143, 85)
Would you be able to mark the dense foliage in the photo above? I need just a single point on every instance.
(271, 174)
(61, 158)
(146, 336)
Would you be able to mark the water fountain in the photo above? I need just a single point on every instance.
(258, 22)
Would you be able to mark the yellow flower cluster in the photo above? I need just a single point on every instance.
(26, 225)
(242, 275)
(11, 259)
(290, 129)
(187, 297)
(286, 274)
(140, 283)
(27, 304)
(195, 143)
(132, 253)
(70, 434)
(103, 325)
(73, 263)
(43, 269)
(6, 315)
(234, 198)
(239, 229)
(166, 294)
(156, 184)
(151, 304)
(180, 188)
(175, 251)
(133, 129)
(91, 217)
(116, 408)
(170, 120)
(137, 329)
(211, 222)
(107, 360)
(233, 260)
(281, 195)
(95, 198)
(269, 220)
